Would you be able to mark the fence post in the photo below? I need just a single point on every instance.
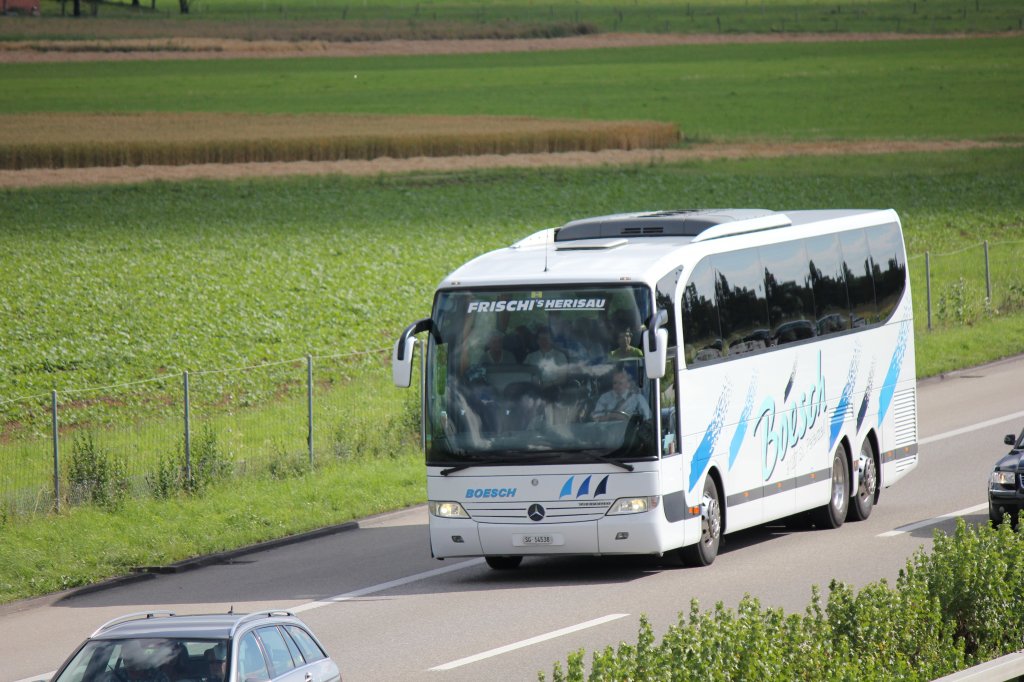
(988, 276)
(309, 406)
(188, 435)
(56, 452)
(928, 285)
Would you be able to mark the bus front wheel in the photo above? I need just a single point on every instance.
(834, 513)
(704, 552)
(504, 563)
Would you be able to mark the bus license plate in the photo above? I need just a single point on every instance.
(531, 540)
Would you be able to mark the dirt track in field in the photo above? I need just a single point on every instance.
(149, 49)
(137, 174)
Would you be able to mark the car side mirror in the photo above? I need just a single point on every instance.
(1010, 439)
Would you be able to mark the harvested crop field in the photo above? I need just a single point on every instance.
(704, 152)
(57, 140)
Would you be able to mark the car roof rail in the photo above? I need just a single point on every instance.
(139, 615)
(256, 615)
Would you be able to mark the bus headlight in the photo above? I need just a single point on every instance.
(633, 505)
(448, 510)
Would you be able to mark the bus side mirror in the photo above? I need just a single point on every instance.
(655, 352)
(401, 356)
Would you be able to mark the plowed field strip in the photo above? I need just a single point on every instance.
(137, 174)
(227, 48)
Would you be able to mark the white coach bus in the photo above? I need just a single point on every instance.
(644, 383)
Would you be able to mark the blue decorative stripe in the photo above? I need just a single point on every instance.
(567, 488)
(584, 488)
(741, 427)
(889, 385)
(702, 455)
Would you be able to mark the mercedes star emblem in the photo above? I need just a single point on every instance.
(535, 512)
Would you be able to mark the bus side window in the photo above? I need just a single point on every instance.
(702, 332)
(742, 307)
(828, 283)
(788, 290)
(859, 284)
(888, 267)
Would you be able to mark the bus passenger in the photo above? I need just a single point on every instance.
(495, 353)
(626, 350)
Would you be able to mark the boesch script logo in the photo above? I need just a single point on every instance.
(779, 436)
(535, 512)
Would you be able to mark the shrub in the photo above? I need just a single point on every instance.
(95, 476)
(209, 463)
(954, 607)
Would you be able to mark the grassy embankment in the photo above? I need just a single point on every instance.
(312, 19)
(185, 256)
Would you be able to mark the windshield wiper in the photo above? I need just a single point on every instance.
(607, 459)
(496, 461)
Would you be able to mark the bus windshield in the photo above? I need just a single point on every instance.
(539, 376)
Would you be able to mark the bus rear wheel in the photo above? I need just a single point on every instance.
(504, 563)
(704, 552)
(864, 501)
(834, 513)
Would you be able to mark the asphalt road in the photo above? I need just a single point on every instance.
(387, 611)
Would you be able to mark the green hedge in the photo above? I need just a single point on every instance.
(957, 606)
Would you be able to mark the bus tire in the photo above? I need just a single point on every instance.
(503, 563)
(705, 550)
(834, 513)
(864, 499)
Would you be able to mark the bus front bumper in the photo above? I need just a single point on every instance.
(625, 534)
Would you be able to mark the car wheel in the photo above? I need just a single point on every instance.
(995, 517)
(864, 501)
(704, 552)
(504, 563)
(834, 513)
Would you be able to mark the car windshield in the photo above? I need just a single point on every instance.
(539, 376)
(156, 659)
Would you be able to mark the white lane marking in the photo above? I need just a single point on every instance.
(355, 594)
(973, 427)
(942, 436)
(309, 606)
(932, 521)
(529, 642)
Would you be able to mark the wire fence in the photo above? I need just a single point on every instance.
(181, 432)
(961, 287)
(156, 437)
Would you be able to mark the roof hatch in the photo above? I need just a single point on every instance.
(677, 223)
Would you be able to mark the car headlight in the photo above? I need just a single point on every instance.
(448, 510)
(1004, 477)
(633, 505)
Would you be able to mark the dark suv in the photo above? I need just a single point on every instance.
(1006, 484)
(159, 646)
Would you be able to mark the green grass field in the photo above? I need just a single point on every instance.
(112, 284)
(464, 18)
(891, 89)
